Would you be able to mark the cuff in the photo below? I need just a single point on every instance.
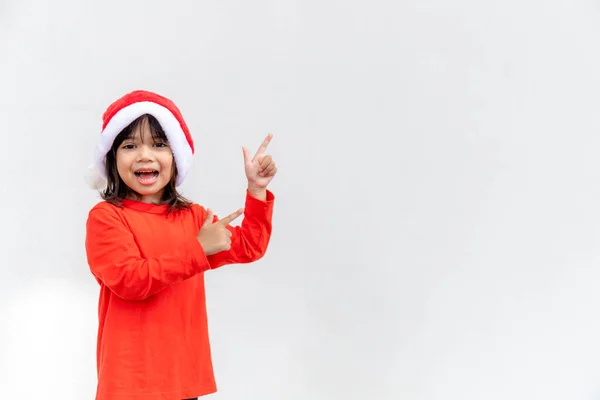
(256, 206)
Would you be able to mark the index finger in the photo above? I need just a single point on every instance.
(229, 219)
(263, 146)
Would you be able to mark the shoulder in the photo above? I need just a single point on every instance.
(196, 208)
(104, 207)
(198, 212)
(104, 212)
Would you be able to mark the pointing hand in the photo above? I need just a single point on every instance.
(215, 237)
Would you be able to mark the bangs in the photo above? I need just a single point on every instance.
(157, 132)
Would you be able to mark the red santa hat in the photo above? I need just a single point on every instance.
(127, 109)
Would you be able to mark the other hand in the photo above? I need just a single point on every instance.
(260, 168)
(215, 237)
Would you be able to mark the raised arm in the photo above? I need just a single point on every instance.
(248, 242)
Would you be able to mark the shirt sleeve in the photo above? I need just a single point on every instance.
(115, 259)
(249, 241)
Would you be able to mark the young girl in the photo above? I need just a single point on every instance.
(148, 248)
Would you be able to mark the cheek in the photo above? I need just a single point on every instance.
(123, 163)
(166, 164)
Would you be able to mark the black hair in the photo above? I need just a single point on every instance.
(116, 190)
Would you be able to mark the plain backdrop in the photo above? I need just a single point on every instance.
(437, 220)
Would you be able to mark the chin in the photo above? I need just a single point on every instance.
(151, 191)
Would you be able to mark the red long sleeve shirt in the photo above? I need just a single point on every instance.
(153, 339)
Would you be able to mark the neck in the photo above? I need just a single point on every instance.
(154, 198)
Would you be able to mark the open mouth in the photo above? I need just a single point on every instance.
(146, 176)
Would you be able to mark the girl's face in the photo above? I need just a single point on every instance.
(145, 164)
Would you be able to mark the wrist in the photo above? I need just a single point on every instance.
(257, 192)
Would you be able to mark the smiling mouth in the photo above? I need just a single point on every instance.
(146, 176)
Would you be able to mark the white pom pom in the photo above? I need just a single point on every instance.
(94, 178)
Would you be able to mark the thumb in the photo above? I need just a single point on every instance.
(209, 218)
(247, 155)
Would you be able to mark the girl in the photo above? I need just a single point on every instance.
(148, 248)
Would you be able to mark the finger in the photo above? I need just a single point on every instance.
(264, 161)
(228, 233)
(229, 219)
(209, 218)
(247, 156)
(268, 170)
(263, 147)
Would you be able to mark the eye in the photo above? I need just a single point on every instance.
(161, 144)
(128, 146)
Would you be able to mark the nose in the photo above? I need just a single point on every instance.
(144, 153)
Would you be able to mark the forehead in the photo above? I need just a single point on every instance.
(139, 133)
(143, 130)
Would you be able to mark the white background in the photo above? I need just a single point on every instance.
(436, 231)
